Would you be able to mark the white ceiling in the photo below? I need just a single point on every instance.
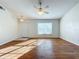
(57, 8)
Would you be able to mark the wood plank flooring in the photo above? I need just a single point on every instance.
(39, 49)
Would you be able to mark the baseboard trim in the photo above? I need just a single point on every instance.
(40, 37)
(44, 37)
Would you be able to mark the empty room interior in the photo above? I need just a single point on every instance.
(39, 29)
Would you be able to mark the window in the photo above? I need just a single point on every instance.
(44, 28)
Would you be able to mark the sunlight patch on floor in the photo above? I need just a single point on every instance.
(8, 49)
(26, 42)
(17, 53)
(17, 50)
(23, 50)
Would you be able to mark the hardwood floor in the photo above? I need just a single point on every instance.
(40, 49)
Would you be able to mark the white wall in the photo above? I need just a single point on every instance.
(69, 27)
(8, 27)
(29, 28)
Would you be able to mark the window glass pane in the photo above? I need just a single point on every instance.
(44, 28)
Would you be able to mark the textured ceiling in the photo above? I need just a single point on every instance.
(57, 8)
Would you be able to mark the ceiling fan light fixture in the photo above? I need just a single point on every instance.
(21, 20)
(40, 12)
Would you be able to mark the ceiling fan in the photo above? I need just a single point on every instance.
(21, 18)
(40, 9)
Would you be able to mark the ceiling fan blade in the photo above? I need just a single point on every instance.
(2, 8)
(46, 12)
(35, 6)
(47, 6)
